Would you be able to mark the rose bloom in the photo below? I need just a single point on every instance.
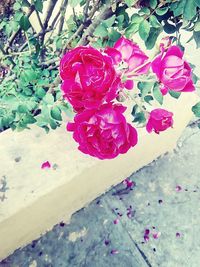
(130, 59)
(173, 71)
(89, 78)
(104, 132)
(159, 120)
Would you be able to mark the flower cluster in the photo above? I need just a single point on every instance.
(93, 79)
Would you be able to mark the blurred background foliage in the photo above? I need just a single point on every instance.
(29, 59)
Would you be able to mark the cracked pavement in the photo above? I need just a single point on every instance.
(154, 224)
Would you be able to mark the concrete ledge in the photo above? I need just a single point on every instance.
(37, 199)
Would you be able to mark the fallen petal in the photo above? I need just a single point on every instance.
(178, 188)
(46, 165)
(114, 251)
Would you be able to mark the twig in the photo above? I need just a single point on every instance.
(29, 45)
(74, 17)
(86, 9)
(51, 6)
(2, 50)
(55, 20)
(76, 34)
(62, 12)
(34, 36)
(39, 19)
(105, 13)
(50, 61)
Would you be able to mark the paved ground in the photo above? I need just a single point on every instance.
(157, 223)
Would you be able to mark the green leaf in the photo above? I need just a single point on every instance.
(157, 93)
(154, 22)
(196, 36)
(148, 98)
(189, 9)
(114, 35)
(153, 35)
(174, 94)
(197, 26)
(40, 92)
(144, 11)
(25, 4)
(197, 2)
(74, 3)
(16, 6)
(196, 109)
(129, 2)
(39, 5)
(48, 99)
(101, 31)
(195, 78)
(139, 117)
(53, 124)
(65, 107)
(161, 11)
(144, 29)
(22, 109)
(29, 75)
(135, 18)
(24, 23)
(29, 119)
(120, 19)
(14, 25)
(109, 22)
(59, 43)
(178, 7)
(17, 16)
(134, 110)
(144, 87)
(153, 3)
(56, 113)
(169, 28)
(132, 28)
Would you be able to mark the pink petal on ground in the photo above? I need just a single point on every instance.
(129, 183)
(178, 188)
(146, 235)
(46, 165)
(116, 221)
(156, 235)
(178, 235)
(146, 238)
(114, 251)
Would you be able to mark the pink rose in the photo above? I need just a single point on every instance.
(173, 71)
(159, 120)
(129, 58)
(89, 78)
(104, 132)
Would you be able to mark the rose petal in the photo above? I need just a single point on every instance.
(46, 165)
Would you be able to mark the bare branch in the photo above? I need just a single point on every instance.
(62, 12)
(51, 7)
(74, 17)
(86, 9)
(105, 13)
(39, 19)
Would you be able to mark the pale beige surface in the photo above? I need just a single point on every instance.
(37, 199)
